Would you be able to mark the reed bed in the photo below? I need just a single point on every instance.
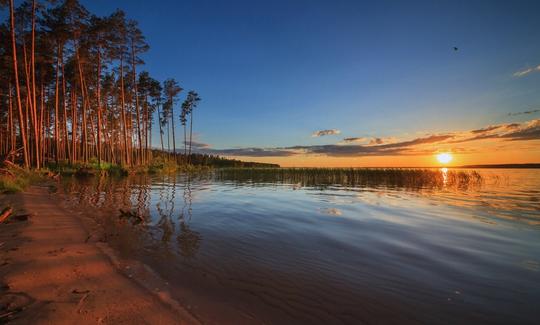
(354, 177)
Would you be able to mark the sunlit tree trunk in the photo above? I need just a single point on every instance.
(145, 127)
(160, 127)
(190, 133)
(41, 113)
(17, 90)
(172, 125)
(98, 106)
(11, 126)
(74, 123)
(139, 137)
(168, 139)
(185, 141)
(29, 104)
(64, 104)
(56, 103)
(123, 111)
(84, 134)
(34, 105)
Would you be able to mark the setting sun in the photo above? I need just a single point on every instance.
(444, 158)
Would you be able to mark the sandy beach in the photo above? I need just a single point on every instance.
(54, 271)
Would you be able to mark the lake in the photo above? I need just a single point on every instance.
(241, 249)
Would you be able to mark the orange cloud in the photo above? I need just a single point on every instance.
(512, 136)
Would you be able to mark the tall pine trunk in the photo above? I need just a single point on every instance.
(64, 104)
(17, 90)
(123, 108)
(137, 111)
(56, 102)
(83, 106)
(160, 126)
(33, 72)
(10, 116)
(172, 122)
(98, 106)
(185, 142)
(74, 123)
(29, 104)
(190, 133)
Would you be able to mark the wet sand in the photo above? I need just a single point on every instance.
(55, 270)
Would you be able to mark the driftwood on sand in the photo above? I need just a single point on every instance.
(6, 213)
(7, 216)
(134, 217)
(7, 172)
(12, 165)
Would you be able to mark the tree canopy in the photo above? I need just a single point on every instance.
(72, 87)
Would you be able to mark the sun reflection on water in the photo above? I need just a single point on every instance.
(444, 171)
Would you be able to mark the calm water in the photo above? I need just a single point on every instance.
(243, 251)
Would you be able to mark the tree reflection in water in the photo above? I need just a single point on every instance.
(188, 240)
(103, 197)
(167, 197)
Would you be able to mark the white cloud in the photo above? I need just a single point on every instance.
(525, 72)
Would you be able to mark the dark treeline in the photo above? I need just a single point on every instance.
(72, 89)
(210, 160)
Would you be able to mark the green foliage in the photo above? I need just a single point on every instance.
(158, 165)
(65, 168)
(163, 165)
(9, 185)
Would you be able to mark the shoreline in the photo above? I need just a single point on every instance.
(54, 272)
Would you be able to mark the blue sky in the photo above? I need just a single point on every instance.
(270, 73)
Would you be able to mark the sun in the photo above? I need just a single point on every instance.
(444, 158)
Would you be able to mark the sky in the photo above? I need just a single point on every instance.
(351, 83)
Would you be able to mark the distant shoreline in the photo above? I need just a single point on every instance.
(522, 166)
(500, 166)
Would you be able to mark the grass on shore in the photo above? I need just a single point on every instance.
(157, 166)
(66, 168)
(15, 179)
(160, 165)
